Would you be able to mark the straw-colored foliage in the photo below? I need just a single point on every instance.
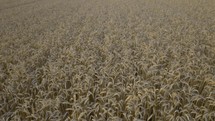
(114, 60)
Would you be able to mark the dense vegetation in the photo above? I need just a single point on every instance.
(115, 60)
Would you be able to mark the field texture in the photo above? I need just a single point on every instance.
(107, 60)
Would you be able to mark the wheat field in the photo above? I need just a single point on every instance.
(107, 60)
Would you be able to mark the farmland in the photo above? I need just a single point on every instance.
(107, 60)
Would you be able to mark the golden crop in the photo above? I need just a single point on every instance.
(107, 60)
